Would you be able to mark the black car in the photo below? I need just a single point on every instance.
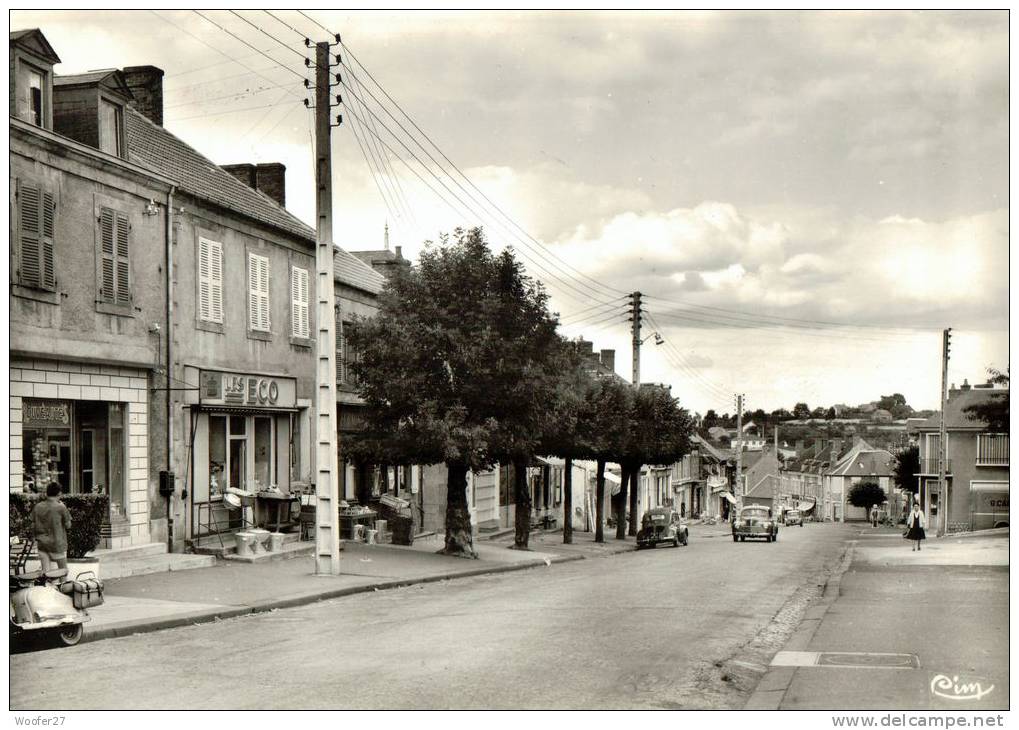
(662, 524)
(755, 521)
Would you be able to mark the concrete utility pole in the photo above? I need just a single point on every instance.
(635, 330)
(737, 488)
(327, 484)
(946, 339)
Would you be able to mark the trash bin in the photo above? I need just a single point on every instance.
(403, 530)
(275, 542)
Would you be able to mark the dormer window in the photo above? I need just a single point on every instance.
(36, 86)
(111, 127)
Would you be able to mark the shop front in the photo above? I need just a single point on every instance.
(245, 447)
(84, 427)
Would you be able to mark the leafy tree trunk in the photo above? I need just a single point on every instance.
(523, 511)
(568, 503)
(634, 482)
(459, 536)
(599, 503)
(620, 504)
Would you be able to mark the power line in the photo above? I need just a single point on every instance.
(246, 92)
(238, 38)
(224, 112)
(297, 53)
(283, 22)
(315, 22)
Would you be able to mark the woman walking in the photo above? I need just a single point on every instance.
(916, 523)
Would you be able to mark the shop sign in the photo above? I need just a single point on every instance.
(45, 413)
(256, 391)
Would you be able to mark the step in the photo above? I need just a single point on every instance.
(145, 565)
(489, 526)
(290, 550)
(129, 552)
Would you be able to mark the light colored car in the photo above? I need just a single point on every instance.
(792, 517)
(755, 522)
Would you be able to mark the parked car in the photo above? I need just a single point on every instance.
(792, 517)
(662, 525)
(755, 521)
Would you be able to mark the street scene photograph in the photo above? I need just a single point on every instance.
(499, 360)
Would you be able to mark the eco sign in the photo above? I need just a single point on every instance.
(234, 389)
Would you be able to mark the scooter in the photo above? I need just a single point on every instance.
(40, 607)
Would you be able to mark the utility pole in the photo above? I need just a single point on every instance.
(738, 486)
(635, 330)
(946, 340)
(327, 484)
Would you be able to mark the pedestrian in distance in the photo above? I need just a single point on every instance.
(915, 524)
(50, 522)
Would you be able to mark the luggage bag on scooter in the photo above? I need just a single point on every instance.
(85, 591)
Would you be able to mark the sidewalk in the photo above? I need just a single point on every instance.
(164, 600)
(902, 630)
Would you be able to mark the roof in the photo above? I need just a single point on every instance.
(154, 147)
(711, 450)
(350, 270)
(877, 463)
(958, 400)
(111, 77)
(35, 41)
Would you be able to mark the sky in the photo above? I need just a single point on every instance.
(841, 174)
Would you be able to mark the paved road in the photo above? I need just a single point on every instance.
(666, 628)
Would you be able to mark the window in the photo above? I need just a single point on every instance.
(992, 449)
(114, 261)
(36, 80)
(299, 303)
(111, 123)
(210, 280)
(36, 210)
(258, 293)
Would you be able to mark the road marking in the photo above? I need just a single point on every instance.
(848, 659)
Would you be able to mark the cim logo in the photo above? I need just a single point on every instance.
(950, 688)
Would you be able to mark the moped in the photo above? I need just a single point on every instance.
(43, 604)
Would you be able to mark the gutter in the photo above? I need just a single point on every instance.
(169, 365)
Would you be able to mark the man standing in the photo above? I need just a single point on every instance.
(50, 522)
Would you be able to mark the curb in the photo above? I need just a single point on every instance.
(773, 685)
(146, 626)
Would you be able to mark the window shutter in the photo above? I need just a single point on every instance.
(340, 365)
(123, 262)
(108, 279)
(299, 302)
(48, 242)
(216, 281)
(258, 292)
(31, 264)
(204, 280)
(210, 280)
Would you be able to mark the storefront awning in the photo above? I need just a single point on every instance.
(806, 506)
(728, 497)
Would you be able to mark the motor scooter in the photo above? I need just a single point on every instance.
(40, 608)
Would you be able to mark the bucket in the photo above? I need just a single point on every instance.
(275, 542)
(358, 532)
(244, 543)
(370, 538)
(380, 528)
(261, 540)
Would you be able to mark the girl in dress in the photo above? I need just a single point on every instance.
(916, 523)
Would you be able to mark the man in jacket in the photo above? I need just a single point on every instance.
(50, 522)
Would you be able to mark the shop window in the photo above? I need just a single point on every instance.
(237, 466)
(210, 281)
(265, 472)
(114, 262)
(118, 484)
(217, 456)
(35, 259)
(258, 293)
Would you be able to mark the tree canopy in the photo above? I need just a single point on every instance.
(907, 466)
(994, 410)
(866, 495)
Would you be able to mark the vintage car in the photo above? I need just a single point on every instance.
(755, 521)
(662, 524)
(792, 517)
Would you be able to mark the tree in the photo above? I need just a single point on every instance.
(801, 411)
(818, 413)
(831, 414)
(866, 495)
(602, 434)
(781, 415)
(658, 433)
(896, 405)
(907, 466)
(710, 419)
(456, 368)
(994, 410)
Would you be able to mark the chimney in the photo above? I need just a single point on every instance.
(965, 384)
(399, 252)
(271, 179)
(836, 448)
(268, 178)
(608, 359)
(585, 347)
(146, 83)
